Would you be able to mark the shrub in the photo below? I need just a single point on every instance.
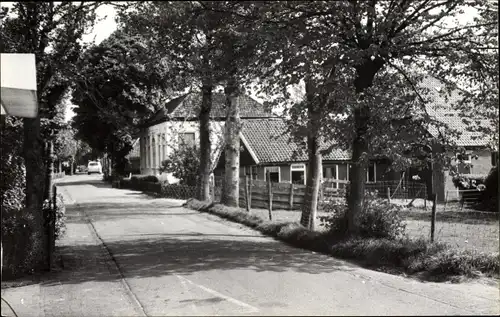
(402, 254)
(60, 227)
(489, 197)
(183, 163)
(378, 219)
(470, 181)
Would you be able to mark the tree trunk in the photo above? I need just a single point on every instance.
(205, 144)
(360, 151)
(313, 181)
(358, 176)
(230, 195)
(35, 190)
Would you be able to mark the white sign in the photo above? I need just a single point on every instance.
(18, 85)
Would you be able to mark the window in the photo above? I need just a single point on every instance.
(251, 171)
(494, 158)
(164, 146)
(154, 153)
(186, 139)
(148, 152)
(298, 174)
(330, 172)
(371, 172)
(274, 173)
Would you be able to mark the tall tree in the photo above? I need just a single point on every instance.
(52, 31)
(372, 42)
(187, 40)
(118, 87)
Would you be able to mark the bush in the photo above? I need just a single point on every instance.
(489, 197)
(402, 254)
(469, 181)
(60, 228)
(184, 164)
(378, 219)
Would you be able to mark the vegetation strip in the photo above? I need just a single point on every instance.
(429, 261)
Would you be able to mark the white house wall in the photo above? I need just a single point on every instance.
(157, 142)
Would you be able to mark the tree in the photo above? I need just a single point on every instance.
(66, 146)
(52, 31)
(186, 33)
(118, 87)
(370, 42)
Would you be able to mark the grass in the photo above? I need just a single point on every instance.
(466, 231)
(430, 261)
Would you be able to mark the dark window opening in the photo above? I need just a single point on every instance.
(298, 177)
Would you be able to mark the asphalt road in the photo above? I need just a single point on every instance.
(167, 260)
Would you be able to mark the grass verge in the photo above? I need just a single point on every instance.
(428, 261)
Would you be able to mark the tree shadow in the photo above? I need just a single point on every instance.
(188, 253)
(93, 182)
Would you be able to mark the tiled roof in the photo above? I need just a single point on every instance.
(441, 110)
(188, 106)
(265, 137)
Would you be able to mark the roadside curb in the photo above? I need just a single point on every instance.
(110, 260)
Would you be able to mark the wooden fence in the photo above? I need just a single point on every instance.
(262, 194)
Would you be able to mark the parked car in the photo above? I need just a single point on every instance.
(94, 167)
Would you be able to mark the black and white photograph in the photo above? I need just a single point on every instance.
(249, 158)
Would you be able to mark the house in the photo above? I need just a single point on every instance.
(481, 154)
(266, 148)
(176, 124)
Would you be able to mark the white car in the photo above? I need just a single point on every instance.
(94, 167)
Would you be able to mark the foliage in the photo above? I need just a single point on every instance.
(60, 226)
(136, 179)
(118, 87)
(364, 65)
(489, 197)
(184, 163)
(379, 218)
(52, 31)
(12, 170)
(469, 181)
(65, 144)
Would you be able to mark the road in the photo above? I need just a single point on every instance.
(162, 259)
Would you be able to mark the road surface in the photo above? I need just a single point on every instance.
(128, 254)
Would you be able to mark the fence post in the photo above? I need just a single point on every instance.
(389, 194)
(270, 193)
(247, 185)
(433, 216)
(291, 196)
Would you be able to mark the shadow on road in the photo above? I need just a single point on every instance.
(94, 182)
(155, 255)
(184, 254)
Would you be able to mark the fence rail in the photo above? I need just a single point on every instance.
(291, 196)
